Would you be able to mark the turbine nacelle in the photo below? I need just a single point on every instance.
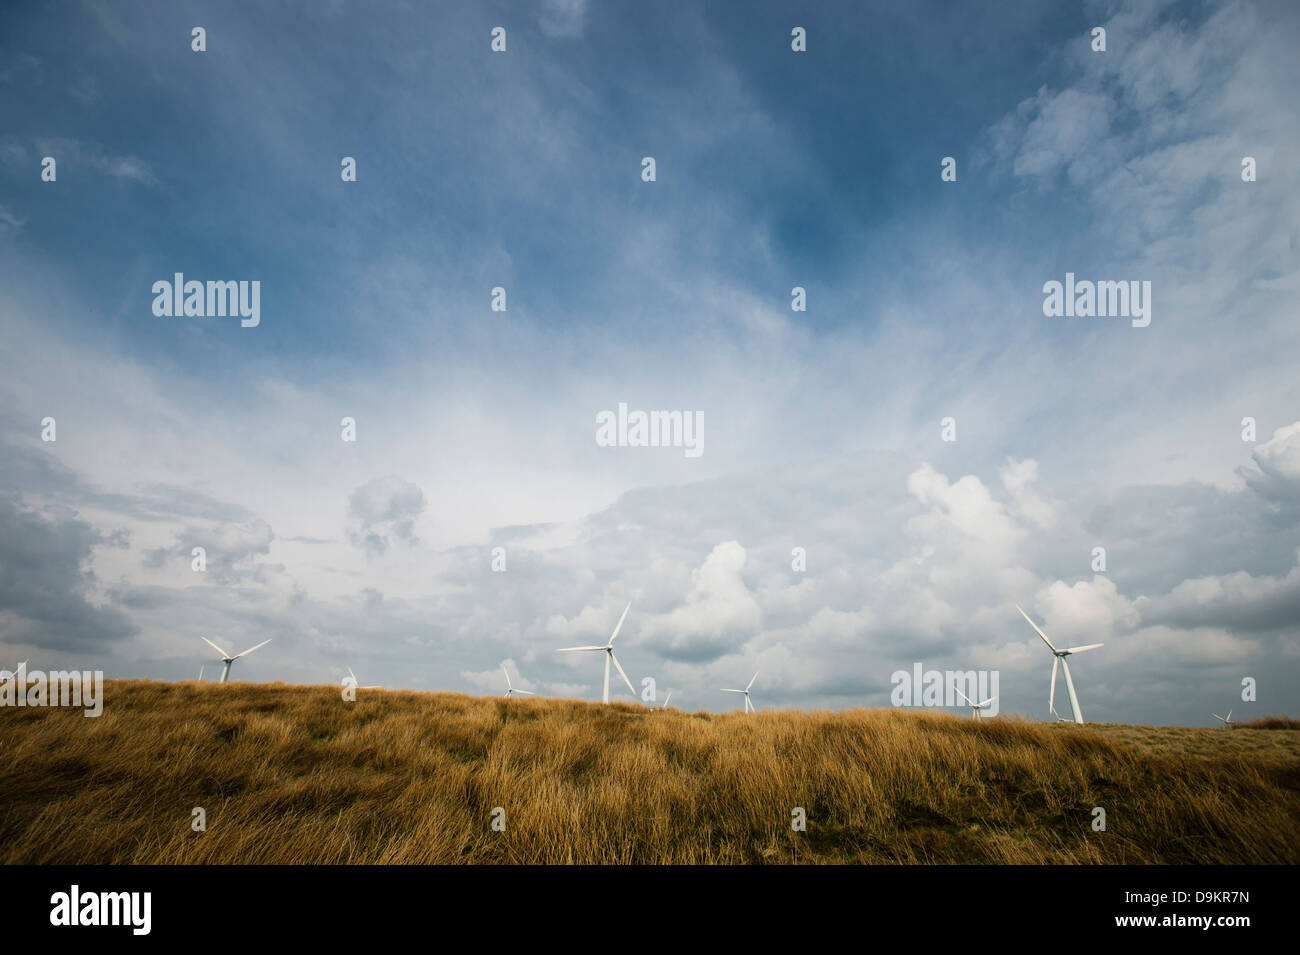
(356, 682)
(511, 689)
(749, 707)
(1058, 660)
(228, 659)
(609, 656)
(975, 707)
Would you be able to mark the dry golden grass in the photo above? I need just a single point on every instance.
(294, 775)
(1271, 723)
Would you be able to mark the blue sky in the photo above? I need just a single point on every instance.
(774, 169)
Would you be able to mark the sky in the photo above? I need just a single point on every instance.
(822, 429)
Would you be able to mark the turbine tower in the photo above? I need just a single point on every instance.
(227, 659)
(1227, 721)
(609, 656)
(749, 707)
(1058, 659)
(510, 687)
(976, 707)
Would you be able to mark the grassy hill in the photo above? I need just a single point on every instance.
(293, 774)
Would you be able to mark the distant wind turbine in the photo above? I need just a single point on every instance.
(227, 659)
(373, 686)
(1227, 721)
(749, 707)
(510, 687)
(1059, 659)
(609, 655)
(975, 707)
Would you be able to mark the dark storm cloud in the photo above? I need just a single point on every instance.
(44, 583)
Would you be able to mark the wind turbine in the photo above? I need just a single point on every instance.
(609, 656)
(373, 686)
(749, 707)
(1227, 721)
(1059, 658)
(976, 707)
(227, 659)
(510, 687)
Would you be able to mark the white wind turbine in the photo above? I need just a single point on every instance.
(1059, 659)
(227, 659)
(609, 656)
(14, 674)
(373, 686)
(510, 687)
(976, 707)
(749, 707)
(1227, 721)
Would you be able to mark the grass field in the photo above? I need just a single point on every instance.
(290, 774)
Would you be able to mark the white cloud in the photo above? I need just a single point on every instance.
(1019, 477)
(1278, 463)
(9, 222)
(719, 610)
(383, 510)
(566, 18)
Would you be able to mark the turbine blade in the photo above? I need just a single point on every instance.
(1090, 646)
(751, 681)
(1074, 697)
(251, 649)
(725, 690)
(620, 625)
(526, 692)
(667, 698)
(1036, 630)
(223, 653)
(503, 670)
(572, 649)
(1229, 716)
(620, 671)
(351, 674)
(986, 702)
(963, 696)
